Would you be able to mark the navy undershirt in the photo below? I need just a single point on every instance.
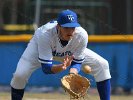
(63, 42)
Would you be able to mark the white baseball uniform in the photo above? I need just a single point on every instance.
(45, 46)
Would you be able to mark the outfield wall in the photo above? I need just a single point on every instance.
(118, 50)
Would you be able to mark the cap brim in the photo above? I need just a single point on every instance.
(71, 25)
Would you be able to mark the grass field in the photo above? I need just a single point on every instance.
(60, 96)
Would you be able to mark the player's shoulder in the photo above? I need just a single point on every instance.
(81, 31)
(48, 26)
(46, 31)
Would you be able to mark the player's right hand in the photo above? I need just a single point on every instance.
(67, 61)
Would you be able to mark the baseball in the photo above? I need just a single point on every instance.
(86, 69)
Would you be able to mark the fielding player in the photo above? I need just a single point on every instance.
(66, 41)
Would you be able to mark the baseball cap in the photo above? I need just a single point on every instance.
(68, 18)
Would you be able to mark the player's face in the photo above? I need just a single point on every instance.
(66, 33)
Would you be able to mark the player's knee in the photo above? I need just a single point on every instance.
(102, 73)
(104, 64)
(18, 77)
(18, 81)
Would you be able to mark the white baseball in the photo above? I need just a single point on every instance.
(86, 69)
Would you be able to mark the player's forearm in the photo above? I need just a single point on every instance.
(75, 68)
(53, 69)
(57, 68)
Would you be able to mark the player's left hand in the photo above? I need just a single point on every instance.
(76, 85)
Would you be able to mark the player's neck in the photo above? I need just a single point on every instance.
(63, 42)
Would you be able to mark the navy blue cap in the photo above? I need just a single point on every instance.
(68, 18)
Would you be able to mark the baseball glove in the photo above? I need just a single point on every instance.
(76, 85)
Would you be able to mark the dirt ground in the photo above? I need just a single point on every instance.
(61, 96)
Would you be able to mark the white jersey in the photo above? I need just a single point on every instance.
(49, 47)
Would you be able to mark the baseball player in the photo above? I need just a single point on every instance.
(63, 40)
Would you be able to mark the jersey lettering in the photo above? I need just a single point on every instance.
(58, 54)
